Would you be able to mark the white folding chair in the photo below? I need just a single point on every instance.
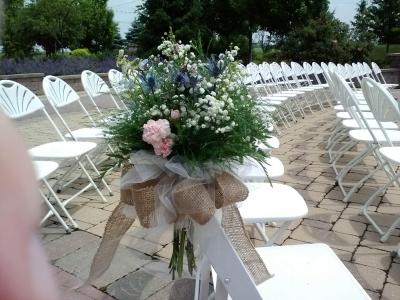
(60, 94)
(119, 83)
(365, 135)
(379, 76)
(17, 101)
(43, 170)
(385, 109)
(309, 271)
(94, 87)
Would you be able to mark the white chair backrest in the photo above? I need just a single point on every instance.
(58, 91)
(60, 94)
(308, 68)
(347, 98)
(376, 68)
(287, 69)
(93, 84)
(116, 79)
(17, 101)
(298, 68)
(231, 271)
(382, 104)
(332, 67)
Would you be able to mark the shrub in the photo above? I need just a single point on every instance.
(81, 52)
(62, 66)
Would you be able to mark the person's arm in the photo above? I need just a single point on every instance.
(24, 272)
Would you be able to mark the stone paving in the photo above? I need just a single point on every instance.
(140, 267)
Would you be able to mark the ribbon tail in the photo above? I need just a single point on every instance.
(117, 225)
(234, 229)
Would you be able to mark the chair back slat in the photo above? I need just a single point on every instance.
(17, 101)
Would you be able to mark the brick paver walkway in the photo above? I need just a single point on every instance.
(140, 267)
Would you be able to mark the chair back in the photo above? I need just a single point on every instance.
(60, 94)
(382, 104)
(58, 91)
(117, 80)
(93, 84)
(17, 101)
(231, 272)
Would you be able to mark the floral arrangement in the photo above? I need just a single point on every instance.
(191, 108)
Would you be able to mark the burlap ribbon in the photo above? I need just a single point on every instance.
(191, 198)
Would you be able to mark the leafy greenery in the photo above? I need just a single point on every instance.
(56, 25)
(218, 122)
(385, 21)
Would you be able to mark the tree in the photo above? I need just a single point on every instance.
(55, 24)
(16, 37)
(385, 23)
(131, 37)
(322, 39)
(362, 35)
(97, 25)
(155, 17)
(58, 24)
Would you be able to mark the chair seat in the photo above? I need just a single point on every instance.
(268, 108)
(391, 153)
(345, 115)
(87, 133)
(352, 124)
(307, 272)
(295, 92)
(62, 150)
(292, 93)
(363, 107)
(363, 135)
(269, 144)
(391, 85)
(251, 170)
(274, 98)
(272, 203)
(44, 168)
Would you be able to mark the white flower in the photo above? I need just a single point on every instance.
(201, 90)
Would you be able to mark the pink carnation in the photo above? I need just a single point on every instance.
(155, 131)
(164, 148)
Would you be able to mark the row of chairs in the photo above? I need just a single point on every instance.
(81, 150)
(369, 119)
(302, 266)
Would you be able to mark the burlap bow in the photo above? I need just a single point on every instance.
(163, 197)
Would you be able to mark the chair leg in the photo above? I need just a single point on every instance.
(62, 207)
(278, 233)
(99, 174)
(93, 184)
(54, 211)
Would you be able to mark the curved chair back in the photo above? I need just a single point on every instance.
(18, 101)
(58, 91)
(382, 104)
(93, 84)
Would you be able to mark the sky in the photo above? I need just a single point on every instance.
(124, 11)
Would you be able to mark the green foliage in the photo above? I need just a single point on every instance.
(58, 24)
(322, 39)
(378, 53)
(220, 22)
(218, 121)
(362, 35)
(385, 20)
(81, 52)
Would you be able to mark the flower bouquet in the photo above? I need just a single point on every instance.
(192, 119)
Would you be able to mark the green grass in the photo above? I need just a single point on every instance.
(378, 54)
